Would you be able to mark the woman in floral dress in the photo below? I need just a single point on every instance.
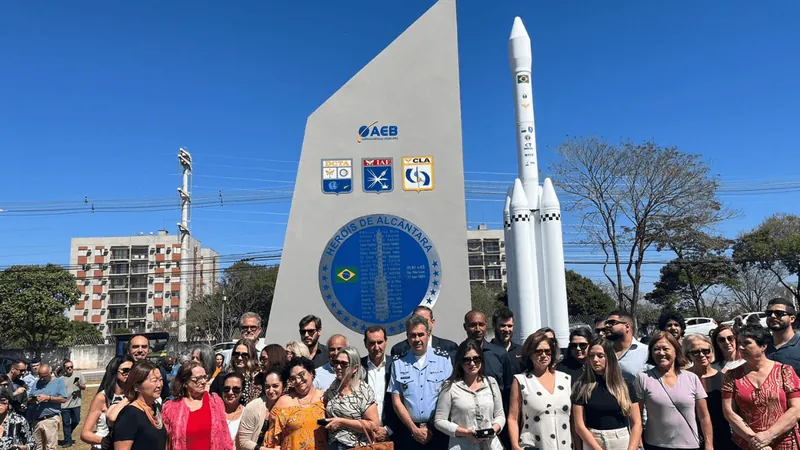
(296, 414)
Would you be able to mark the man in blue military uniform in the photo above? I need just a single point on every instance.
(415, 383)
(438, 343)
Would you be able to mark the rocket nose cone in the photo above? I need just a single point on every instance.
(549, 198)
(518, 29)
(518, 197)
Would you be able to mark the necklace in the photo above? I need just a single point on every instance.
(155, 418)
(309, 395)
(234, 415)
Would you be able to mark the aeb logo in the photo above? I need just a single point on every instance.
(375, 132)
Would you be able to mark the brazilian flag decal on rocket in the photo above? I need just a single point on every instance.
(346, 275)
(523, 79)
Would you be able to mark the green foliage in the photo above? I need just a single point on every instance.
(244, 287)
(82, 332)
(774, 246)
(121, 331)
(33, 300)
(484, 299)
(586, 298)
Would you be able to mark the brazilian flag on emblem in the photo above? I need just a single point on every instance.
(346, 275)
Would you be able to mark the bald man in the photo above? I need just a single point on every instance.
(324, 375)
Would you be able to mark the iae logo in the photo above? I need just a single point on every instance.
(375, 132)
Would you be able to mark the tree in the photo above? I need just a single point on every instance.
(244, 287)
(773, 246)
(700, 264)
(122, 331)
(627, 195)
(82, 333)
(752, 288)
(33, 300)
(485, 299)
(586, 298)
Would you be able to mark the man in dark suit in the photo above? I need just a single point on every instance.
(437, 343)
(378, 368)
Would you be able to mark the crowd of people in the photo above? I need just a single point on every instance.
(738, 388)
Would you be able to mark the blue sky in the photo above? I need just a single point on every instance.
(96, 98)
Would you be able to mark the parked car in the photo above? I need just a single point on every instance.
(5, 364)
(762, 319)
(700, 325)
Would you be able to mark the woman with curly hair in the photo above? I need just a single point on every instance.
(296, 415)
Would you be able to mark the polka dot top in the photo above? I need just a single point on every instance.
(544, 421)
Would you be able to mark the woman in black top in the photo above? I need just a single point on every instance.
(139, 425)
(700, 351)
(573, 363)
(604, 404)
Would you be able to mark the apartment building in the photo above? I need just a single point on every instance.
(487, 257)
(133, 282)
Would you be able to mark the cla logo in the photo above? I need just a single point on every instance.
(418, 173)
(373, 132)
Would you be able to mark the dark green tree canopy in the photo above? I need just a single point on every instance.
(774, 246)
(585, 297)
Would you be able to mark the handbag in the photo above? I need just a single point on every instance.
(371, 439)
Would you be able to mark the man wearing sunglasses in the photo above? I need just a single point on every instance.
(250, 327)
(71, 409)
(780, 321)
(631, 354)
(310, 331)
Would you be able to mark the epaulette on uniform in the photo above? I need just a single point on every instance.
(441, 352)
(401, 355)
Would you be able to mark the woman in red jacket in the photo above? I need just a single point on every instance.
(195, 419)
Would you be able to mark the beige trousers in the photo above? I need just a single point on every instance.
(45, 433)
(611, 439)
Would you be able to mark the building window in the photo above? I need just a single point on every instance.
(491, 246)
(475, 260)
(120, 253)
(474, 245)
(176, 294)
(492, 260)
(476, 274)
(493, 274)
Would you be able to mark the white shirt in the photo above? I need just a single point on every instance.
(420, 362)
(376, 378)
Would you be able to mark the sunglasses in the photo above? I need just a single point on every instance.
(778, 314)
(125, 371)
(235, 389)
(243, 355)
(264, 359)
(600, 330)
(343, 364)
(722, 339)
(67, 367)
(248, 327)
(698, 352)
(612, 322)
(308, 331)
(542, 351)
(580, 345)
(471, 360)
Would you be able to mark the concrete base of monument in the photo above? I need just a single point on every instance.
(378, 222)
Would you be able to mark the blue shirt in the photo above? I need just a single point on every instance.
(324, 377)
(634, 360)
(55, 388)
(789, 353)
(420, 388)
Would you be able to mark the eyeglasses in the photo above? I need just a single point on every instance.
(248, 327)
(542, 351)
(722, 339)
(235, 389)
(306, 331)
(243, 355)
(300, 377)
(580, 345)
(200, 379)
(67, 367)
(471, 360)
(703, 351)
(776, 313)
(610, 323)
(125, 371)
(342, 364)
(600, 330)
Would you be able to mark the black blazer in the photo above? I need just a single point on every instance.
(388, 416)
(438, 343)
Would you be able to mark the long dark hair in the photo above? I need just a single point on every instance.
(276, 355)
(458, 372)
(582, 332)
(110, 377)
(718, 355)
(529, 348)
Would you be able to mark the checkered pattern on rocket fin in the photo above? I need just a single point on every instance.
(520, 217)
(551, 216)
(507, 223)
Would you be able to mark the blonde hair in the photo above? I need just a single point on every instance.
(615, 383)
(299, 349)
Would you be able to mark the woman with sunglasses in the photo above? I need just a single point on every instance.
(577, 350)
(95, 426)
(470, 406)
(255, 418)
(296, 415)
(232, 398)
(15, 433)
(765, 394)
(605, 405)
(244, 361)
(726, 351)
(673, 398)
(139, 425)
(699, 350)
(195, 419)
(349, 403)
(539, 409)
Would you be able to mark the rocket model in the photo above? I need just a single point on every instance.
(537, 291)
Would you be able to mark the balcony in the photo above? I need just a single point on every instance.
(139, 282)
(138, 298)
(474, 246)
(140, 253)
(492, 260)
(118, 283)
(493, 275)
(118, 314)
(120, 254)
(119, 269)
(476, 260)
(138, 268)
(137, 313)
(491, 246)
(476, 275)
(118, 299)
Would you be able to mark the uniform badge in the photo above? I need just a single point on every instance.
(404, 386)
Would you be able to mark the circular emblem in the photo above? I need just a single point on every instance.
(376, 269)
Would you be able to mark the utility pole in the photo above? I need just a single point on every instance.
(185, 159)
